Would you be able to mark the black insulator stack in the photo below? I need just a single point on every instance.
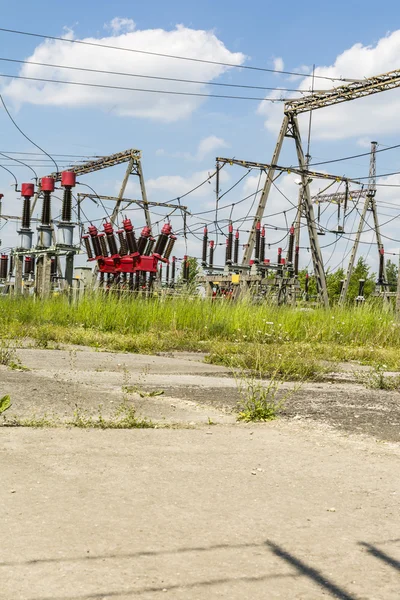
(162, 240)
(229, 244)
(291, 246)
(26, 213)
(205, 244)
(381, 265)
(112, 244)
(103, 246)
(211, 256)
(173, 269)
(236, 249)
(279, 260)
(123, 248)
(66, 215)
(227, 252)
(258, 240)
(167, 274)
(95, 240)
(262, 246)
(185, 270)
(170, 247)
(160, 273)
(53, 267)
(296, 260)
(28, 265)
(132, 243)
(306, 283)
(361, 284)
(3, 266)
(88, 248)
(149, 247)
(142, 241)
(11, 264)
(46, 208)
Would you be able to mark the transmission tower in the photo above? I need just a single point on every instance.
(290, 128)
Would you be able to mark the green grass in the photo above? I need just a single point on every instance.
(292, 342)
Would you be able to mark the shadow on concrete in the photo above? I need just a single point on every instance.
(167, 588)
(374, 551)
(142, 553)
(310, 572)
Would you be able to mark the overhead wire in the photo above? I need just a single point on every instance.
(145, 90)
(173, 56)
(24, 134)
(157, 77)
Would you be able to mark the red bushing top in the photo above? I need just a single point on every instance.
(167, 229)
(258, 225)
(279, 250)
(297, 249)
(211, 244)
(93, 230)
(237, 234)
(4, 256)
(230, 228)
(127, 224)
(108, 228)
(146, 231)
(47, 184)
(283, 261)
(1, 196)
(263, 231)
(292, 230)
(382, 251)
(307, 276)
(68, 179)
(251, 262)
(267, 261)
(27, 190)
(205, 230)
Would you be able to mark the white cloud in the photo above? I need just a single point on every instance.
(209, 145)
(205, 147)
(371, 116)
(279, 65)
(181, 41)
(121, 24)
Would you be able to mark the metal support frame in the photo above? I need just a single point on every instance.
(314, 101)
(369, 204)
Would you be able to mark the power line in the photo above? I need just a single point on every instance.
(325, 162)
(24, 134)
(53, 154)
(129, 89)
(158, 77)
(163, 55)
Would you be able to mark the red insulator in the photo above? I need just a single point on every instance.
(167, 229)
(262, 245)
(267, 261)
(47, 184)
(108, 228)
(296, 260)
(68, 179)
(93, 230)
(127, 225)
(279, 256)
(27, 190)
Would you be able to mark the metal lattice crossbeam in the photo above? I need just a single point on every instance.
(102, 163)
(339, 197)
(356, 89)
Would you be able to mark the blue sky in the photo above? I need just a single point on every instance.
(172, 153)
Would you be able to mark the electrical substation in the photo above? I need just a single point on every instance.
(140, 257)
